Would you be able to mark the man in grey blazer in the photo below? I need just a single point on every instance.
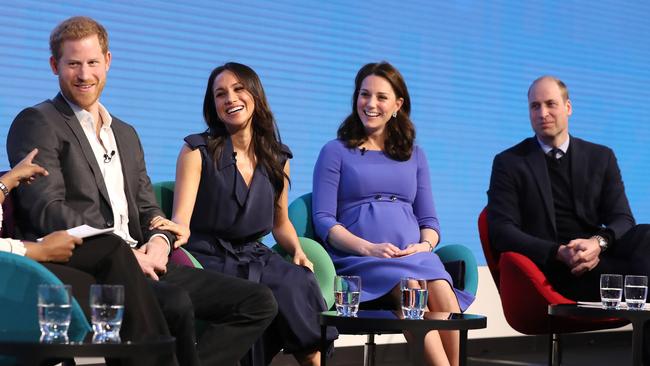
(560, 201)
(98, 177)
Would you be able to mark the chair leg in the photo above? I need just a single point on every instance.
(369, 351)
(554, 350)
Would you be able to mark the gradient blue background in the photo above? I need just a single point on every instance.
(468, 65)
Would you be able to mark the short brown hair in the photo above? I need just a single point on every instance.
(76, 28)
(563, 88)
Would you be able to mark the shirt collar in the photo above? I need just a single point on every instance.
(227, 154)
(547, 148)
(85, 117)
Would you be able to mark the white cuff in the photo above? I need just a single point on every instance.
(169, 246)
(12, 246)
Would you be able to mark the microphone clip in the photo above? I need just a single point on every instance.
(108, 157)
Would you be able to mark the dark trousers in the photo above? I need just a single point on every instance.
(629, 255)
(235, 312)
(106, 259)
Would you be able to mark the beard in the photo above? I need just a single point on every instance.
(82, 99)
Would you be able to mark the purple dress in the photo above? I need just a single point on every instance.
(381, 200)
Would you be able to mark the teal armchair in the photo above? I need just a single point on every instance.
(19, 280)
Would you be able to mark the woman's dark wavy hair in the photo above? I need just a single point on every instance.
(400, 132)
(266, 137)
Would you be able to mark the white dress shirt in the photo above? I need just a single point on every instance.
(108, 158)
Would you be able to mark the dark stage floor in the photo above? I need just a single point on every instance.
(593, 349)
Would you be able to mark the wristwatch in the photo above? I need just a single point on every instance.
(601, 242)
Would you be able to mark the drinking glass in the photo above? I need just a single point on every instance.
(414, 297)
(636, 290)
(107, 308)
(54, 312)
(611, 290)
(346, 295)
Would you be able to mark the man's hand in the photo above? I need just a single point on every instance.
(381, 250)
(158, 250)
(580, 255)
(146, 264)
(182, 232)
(586, 255)
(565, 255)
(55, 247)
(152, 257)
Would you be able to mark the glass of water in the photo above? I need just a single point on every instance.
(636, 290)
(611, 290)
(414, 297)
(347, 290)
(54, 312)
(107, 307)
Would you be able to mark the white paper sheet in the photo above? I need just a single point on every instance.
(85, 231)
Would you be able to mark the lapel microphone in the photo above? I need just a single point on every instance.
(363, 151)
(108, 158)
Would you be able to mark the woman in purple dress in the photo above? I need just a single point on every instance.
(373, 207)
(231, 190)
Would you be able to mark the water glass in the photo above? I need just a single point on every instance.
(107, 308)
(54, 312)
(636, 290)
(347, 290)
(611, 290)
(414, 297)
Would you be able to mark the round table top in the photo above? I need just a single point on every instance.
(86, 348)
(595, 310)
(391, 321)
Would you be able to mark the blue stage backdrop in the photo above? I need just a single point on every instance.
(467, 64)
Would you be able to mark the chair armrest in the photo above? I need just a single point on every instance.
(456, 252)
(323, 267)
(521, 279)
(182, 257)
(19, 280)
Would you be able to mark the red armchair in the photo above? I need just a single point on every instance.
(526, 294)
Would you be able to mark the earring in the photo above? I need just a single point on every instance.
(395, 114)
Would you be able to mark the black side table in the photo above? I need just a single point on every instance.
(637, 317)
(32, 352)
(384, 321)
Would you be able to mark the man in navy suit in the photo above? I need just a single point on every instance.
(560, 201)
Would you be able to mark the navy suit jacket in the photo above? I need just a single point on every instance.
(75, 193)
(521, 214)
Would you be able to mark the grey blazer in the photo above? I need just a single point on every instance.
(75, 193)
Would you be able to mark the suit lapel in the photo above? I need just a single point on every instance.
(537, 164)
(578, 176)
(124, 151)
(73, 123)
